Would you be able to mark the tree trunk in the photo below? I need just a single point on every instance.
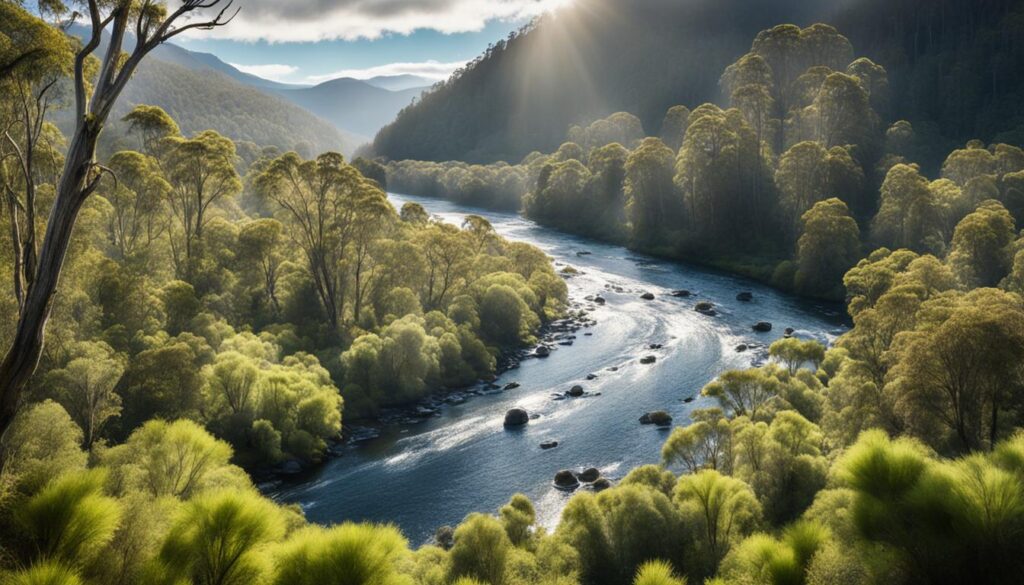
(20, 362)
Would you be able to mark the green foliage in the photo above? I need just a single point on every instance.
(70, 519)
(348, 554)
(481, 550)
(657, 573)
(217, 539)
(42, 443)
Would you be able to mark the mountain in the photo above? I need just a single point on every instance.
(400, 82)
(355, 105)
(197, 61)
(956, 69)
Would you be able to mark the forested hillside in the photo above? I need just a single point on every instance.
(957, 63)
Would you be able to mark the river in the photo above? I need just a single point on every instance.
(422, 476)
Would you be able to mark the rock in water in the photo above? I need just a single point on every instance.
(576, 391)
(542, 351)
(599, 300)
(705, 308)
(648, 359)
(566, 480)
(511, 385)
(516, 417)
(658, 417)
(589, 475)
(683, 293)
(763, 327)
(647, 296)
(600, 485)
(745, 297)
(548, 445)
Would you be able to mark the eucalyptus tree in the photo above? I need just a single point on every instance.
(151, 23)
(329, 205)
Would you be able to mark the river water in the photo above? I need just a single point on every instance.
(422, 476)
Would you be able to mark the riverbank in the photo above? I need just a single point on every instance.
(473, 463)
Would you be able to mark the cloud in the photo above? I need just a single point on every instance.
(273, 71)
(318, 20)
(433, 70)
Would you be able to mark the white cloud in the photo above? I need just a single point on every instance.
(273, 71)
(317, 20)
(433, 70)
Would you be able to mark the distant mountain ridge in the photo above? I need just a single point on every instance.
(339, 114)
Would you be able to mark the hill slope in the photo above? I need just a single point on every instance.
(957, 65)
(352, 104)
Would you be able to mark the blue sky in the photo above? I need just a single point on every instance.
(309, 41)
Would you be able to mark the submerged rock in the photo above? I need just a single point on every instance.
(745, 297)
(683, 293)
(511, 385)
(763, 327)
(548, 445)
(648, 359)
(516, 417)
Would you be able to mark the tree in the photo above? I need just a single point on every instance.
(322, 200)
(742, 392)
(348, 554)
(42, 444)
(518, 517)
(138, 199)
(957, 376)
(721, 511)
(910, 216)
(260, 242)
(202, 170)
(657, 573)
(81, 174)
(673, 127)
(829, 246)
(153, 125)
(481, 550)
(216, 538)
(795, 352)
(70, 519)
(652, 205)
(85, 386)
(980, 253)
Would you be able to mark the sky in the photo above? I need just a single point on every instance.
(310, 41)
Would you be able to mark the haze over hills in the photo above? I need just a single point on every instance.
(357, 106)
(956, 64)
(202, 92)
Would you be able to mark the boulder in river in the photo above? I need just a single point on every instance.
(589, 475)
(548, 445)
(599, 300)
(516, 417)
(566, 480)
(511, 385)
(658, 417)
(647, 296)
(648, 359)
(789, 331)
(601, 484)
(576, 391)
(542, 351)
(741, 348)
(745, 297)
(762, 326)
(682, 293)
(706, 308)
(591, 376)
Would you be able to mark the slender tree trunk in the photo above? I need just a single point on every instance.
(21, 360)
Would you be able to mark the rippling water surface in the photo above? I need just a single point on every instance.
(423, 476)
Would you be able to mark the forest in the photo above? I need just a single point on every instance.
(791, 183)
(184, 312)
